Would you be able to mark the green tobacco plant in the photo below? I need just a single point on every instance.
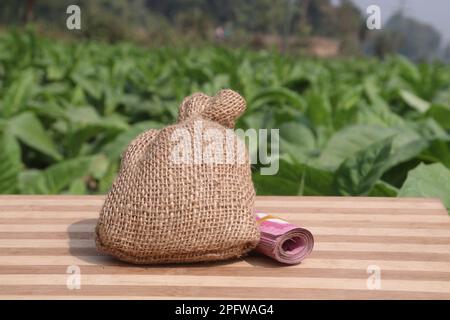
(347, 126)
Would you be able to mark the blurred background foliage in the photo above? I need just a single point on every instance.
(70, 102)
(319, 27)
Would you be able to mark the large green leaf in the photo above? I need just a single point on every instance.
(414, 101)
(116, 147)
(279, 95)
(379, 114)
(294, 178)
(428, 181)
(406, 144)
(349, 141)
(29, 130)
(408, 69)
(10, 164)
(297, 140)
(78, 186)
(319, 110)
(99, 166)
(440, 113)
(17, 95)
(315, 182)
(85, 125)
(55, 178)
(438, 151)
(108, 178)
(383, 189)
(358, 174)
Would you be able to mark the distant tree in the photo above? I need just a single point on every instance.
(349, 23)
(383, 44)
(29, 9)
(303, 23)
(409, 37)
(11, 12)
(174, 20)
(322, 18)
(171, 8)
(446, 54)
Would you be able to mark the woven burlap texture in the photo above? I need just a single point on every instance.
(161, 211)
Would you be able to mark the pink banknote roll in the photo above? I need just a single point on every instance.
(283, 241)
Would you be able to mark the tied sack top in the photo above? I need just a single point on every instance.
(183, 193)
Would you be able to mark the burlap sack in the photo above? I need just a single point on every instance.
(173, 201)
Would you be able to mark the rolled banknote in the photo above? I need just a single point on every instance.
(282, 241)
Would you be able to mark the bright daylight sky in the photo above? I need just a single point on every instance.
(434, 12)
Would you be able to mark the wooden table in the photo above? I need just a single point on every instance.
(46, 240)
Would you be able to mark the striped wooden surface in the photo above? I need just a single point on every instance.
(407, 239)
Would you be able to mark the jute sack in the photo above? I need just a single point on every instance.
(183, 193)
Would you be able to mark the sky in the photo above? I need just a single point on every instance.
(434, 12)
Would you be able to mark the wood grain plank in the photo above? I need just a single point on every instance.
(407, 238)
(297, 221)
(234, 281)
(356, 255)
(50, 244)
(218, 292)
(280, 209)
(359, 231)
(230, 271)
(318, 238)
(249, 262)
(276, 208)
(320, 202)
(33, 217)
